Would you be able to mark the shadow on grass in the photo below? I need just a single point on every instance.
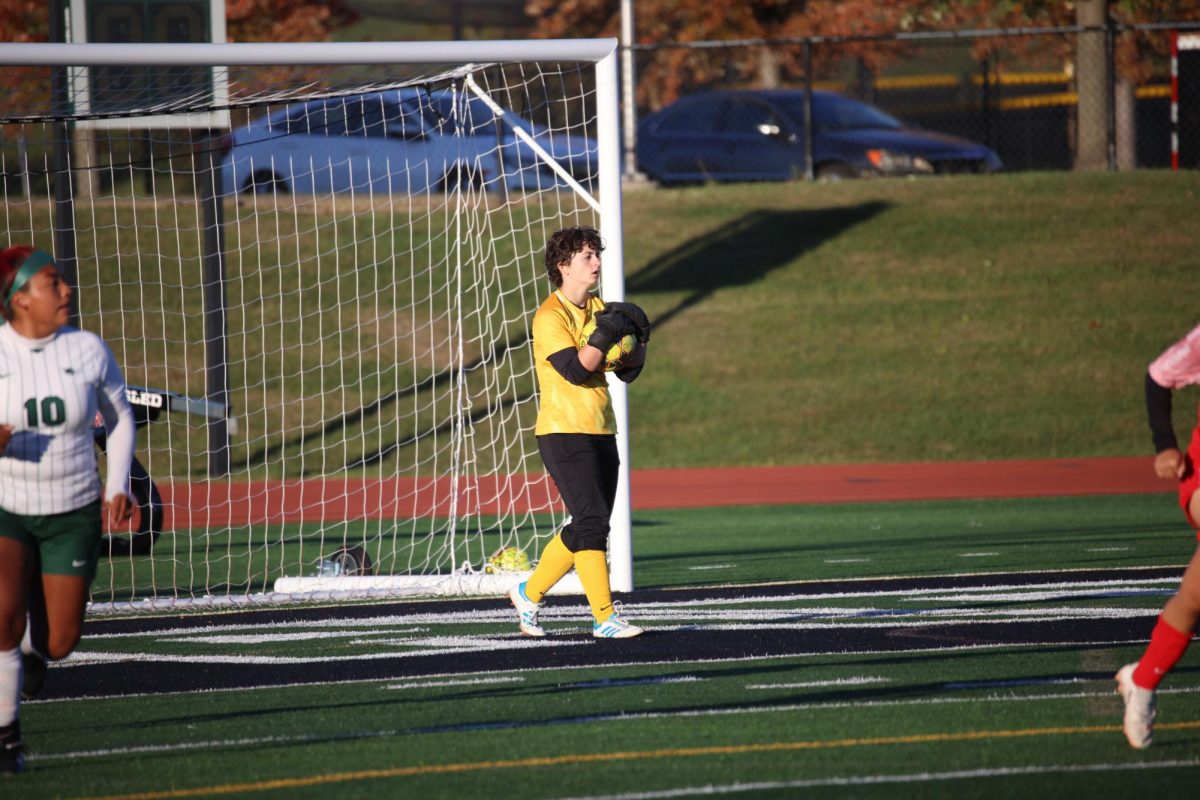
(738, 253)
(742, 252)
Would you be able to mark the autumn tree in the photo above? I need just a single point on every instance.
(285, 20)
(666, 73)
(246, 20)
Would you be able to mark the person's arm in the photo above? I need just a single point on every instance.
(121, 437)
(1177, 367)
(1168, 460)
(576, 366)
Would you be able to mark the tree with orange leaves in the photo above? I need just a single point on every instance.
(668, 72)
(665, 74)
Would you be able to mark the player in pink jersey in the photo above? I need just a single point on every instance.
(1179, 366)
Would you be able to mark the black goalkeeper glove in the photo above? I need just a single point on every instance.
(636, 316)
(611, 327)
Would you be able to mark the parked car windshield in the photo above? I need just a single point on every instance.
(835, 113)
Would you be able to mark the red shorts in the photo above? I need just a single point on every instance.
(1190, 481)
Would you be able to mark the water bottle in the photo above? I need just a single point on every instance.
(328, 569)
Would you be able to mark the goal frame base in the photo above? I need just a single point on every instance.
(457, 585)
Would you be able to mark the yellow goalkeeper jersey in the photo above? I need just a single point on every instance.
(566, 407)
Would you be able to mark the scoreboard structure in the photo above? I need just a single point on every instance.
(123, 93)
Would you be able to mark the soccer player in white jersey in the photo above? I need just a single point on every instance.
(54, 379)
(1137, 683)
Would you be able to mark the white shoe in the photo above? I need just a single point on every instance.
(615, 627)
(527, 611)
(1139, 709)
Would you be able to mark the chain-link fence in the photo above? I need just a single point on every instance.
(1041, 99)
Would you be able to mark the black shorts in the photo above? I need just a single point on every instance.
(584, 467)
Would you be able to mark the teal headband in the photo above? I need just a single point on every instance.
(33, 264)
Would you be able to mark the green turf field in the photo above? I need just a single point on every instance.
(989, 686)
(705, 546)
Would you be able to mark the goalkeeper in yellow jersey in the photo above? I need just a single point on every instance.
(576, 429)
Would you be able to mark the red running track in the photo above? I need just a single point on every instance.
(221, 504)
(864, 483)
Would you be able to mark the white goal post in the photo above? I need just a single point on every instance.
(350, 271)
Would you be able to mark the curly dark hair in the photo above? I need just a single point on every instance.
(564, 244)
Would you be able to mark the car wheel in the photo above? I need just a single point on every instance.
(264, 181)
(835, 172)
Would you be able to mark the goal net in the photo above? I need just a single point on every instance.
(317, 266)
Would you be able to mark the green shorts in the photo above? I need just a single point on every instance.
(69, 544)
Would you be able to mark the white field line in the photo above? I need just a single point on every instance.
(1032, 592)
(225, 634)
(819, 684)
(440, 684)
(619, 716)
(876, 780)
(977, 555)
(1107, 549)
(714, 566)
(434, 646)
(965, 648)
(714, 621)
(265, 638)
(846, 560)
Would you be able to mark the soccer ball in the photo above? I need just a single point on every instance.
(620, 349)
(507, 559)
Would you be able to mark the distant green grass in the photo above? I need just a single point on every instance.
(697, 547)
(892, 320)
(974, 318)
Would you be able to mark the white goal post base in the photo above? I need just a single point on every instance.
(497, 584)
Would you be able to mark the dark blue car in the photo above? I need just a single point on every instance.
(759, 136)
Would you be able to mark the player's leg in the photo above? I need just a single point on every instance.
(66, 601)
(578, 469)
(556, 559)
(586, 468)
(555, 562)
(70, 551)
(14, 587)
(1137, 683)
(33, 643)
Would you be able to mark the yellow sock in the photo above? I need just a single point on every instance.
(555, 562)
(593, 574)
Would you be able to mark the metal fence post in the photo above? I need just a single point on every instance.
(215, 345)
(65, 256)
(1110, 68)
(809, 172)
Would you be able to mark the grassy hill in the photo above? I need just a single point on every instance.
(948, 318)
(1007, 316)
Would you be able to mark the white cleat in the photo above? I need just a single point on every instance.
(1139, 709)
(527, 611)
(615, 627)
